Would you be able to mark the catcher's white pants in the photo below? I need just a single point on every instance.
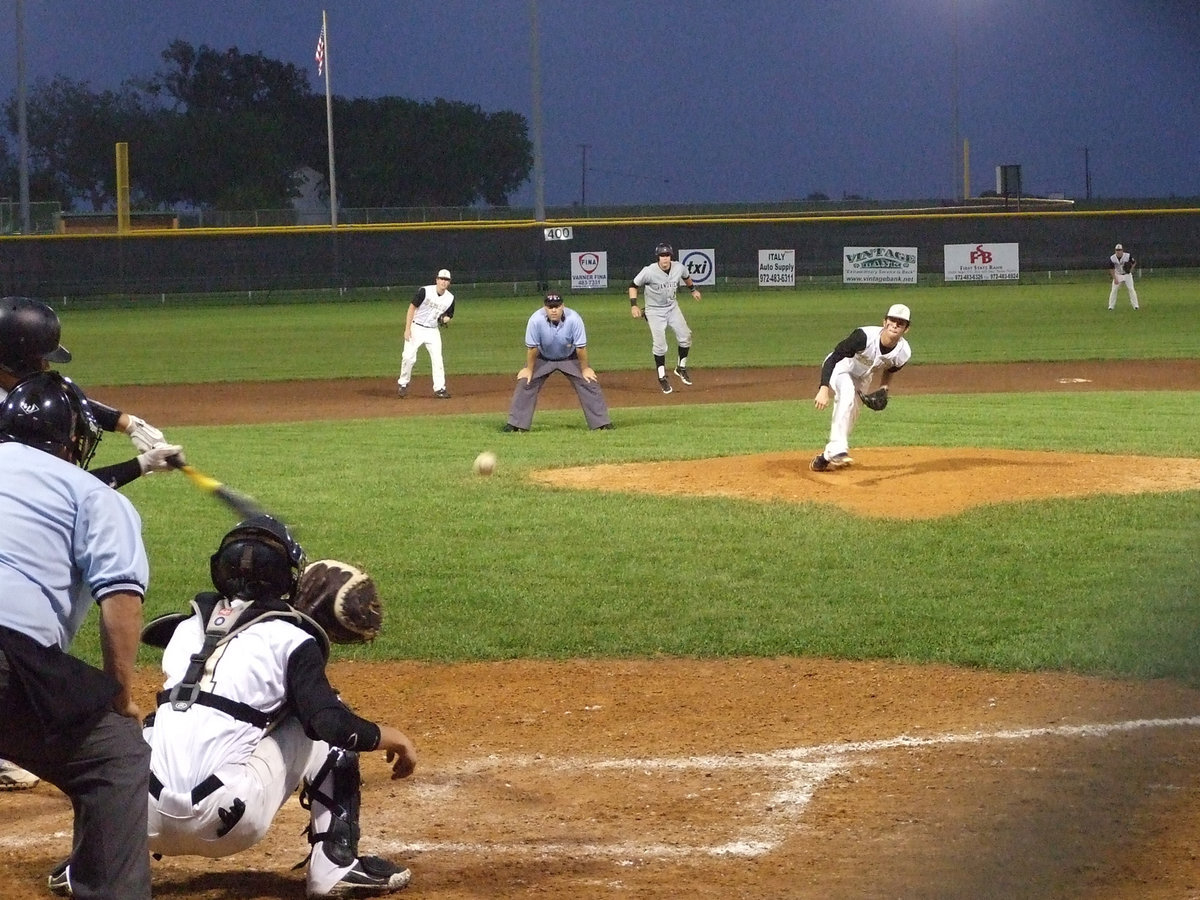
(845, 410)
(263, 783)
(1126, 280)
(431, 339)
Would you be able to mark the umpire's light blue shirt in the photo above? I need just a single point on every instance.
(65, 538)
(555, 341)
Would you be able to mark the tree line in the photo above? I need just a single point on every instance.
(227, 130)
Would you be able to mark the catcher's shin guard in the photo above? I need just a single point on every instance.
(333, 798)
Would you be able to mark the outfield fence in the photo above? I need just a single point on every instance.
(513, 252)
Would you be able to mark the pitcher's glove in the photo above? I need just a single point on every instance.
(341, 599)
(875, 400)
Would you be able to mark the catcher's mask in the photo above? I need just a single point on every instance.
(50, 412)
(258, 560)
(29, 333)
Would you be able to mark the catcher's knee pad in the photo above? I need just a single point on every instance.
(337, 787)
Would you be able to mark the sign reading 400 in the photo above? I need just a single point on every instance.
(559, 233)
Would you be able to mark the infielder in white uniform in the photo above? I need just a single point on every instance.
(1120, 265)
(850, 370)
(661, 280)
(433, 306)
(247, 714)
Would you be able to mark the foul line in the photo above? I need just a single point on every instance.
(798, 771)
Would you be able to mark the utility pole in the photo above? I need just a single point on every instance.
(22, 126)
(1087, 174)
(583, 177)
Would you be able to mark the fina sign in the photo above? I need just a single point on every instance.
(561, 233)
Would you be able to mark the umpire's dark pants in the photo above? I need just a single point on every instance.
(105, 771)
(525, 395)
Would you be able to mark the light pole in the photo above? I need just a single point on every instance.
(954, 103)
(583, 177)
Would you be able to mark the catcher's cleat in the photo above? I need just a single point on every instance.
(369, 875)
(840, 461)
(14, 778)
(665, 385)
(819, 463)
(403, 391)
(442, 394)
(682, 372)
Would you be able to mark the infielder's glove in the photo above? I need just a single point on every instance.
(341, 599)
(875, 400)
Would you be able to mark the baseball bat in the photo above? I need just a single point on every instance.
(246, 507)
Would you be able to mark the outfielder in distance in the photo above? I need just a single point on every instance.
(1120, 266)
(661, 280)
(247, 715)
(848, 373)
(431, 308)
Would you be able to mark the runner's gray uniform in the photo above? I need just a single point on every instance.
(661, 308)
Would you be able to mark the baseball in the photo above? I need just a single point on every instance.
(485, 463)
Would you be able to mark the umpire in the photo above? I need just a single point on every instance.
(66, 540)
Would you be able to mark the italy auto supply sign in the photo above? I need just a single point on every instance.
(982, 262)
(879, 265)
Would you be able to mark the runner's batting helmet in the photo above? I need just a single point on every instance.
(663, 250)
(29, 333)
(258, 560)
(49, 412)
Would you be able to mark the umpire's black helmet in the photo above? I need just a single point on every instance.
(258, 560)
(664, 250)
(29, 333)
(50, 412)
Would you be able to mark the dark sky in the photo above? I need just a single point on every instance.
(726, 100)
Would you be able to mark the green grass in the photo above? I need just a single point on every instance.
(499, 568)
(976, 323)
(496, 568)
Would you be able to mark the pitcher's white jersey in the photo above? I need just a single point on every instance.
(863, 365)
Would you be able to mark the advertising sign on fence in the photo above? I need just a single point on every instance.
(982, 262)
(776, 268)
(879, 265)
(589, 270)
(701, 265)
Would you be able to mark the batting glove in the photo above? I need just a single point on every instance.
(144, 435)
(155, 459)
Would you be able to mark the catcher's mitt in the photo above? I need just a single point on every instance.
(875, 400)
(342, 600)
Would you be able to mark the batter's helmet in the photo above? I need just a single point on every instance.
(29, 333)
(258, 560)
(49, 412)
(664, 250)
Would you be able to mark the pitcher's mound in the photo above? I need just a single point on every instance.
(894, 482)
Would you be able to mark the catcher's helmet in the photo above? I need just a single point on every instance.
(664, 250)
(29, 333)
(49, 412)
(258, 560)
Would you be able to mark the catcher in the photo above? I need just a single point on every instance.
(247, 713)
(847, 375)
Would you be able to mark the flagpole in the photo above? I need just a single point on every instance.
(333, 217)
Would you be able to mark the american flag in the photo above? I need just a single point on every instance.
(320, 54)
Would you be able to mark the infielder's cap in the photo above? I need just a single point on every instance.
(444, 273)
(1118, 247)
(899, 311)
